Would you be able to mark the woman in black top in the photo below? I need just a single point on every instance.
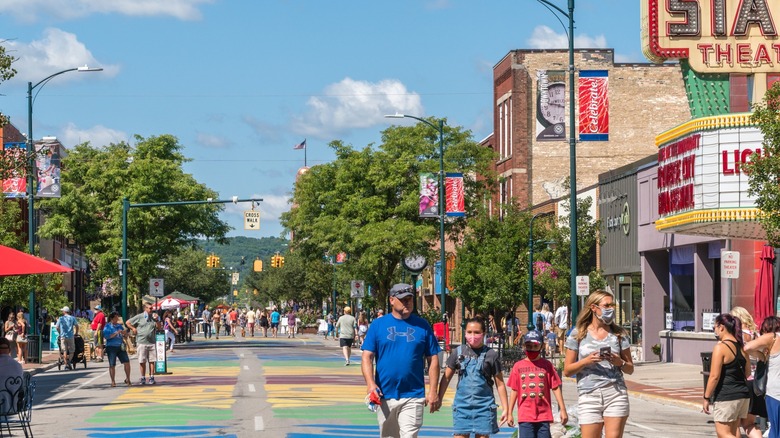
(727, 386)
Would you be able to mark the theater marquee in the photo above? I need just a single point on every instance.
(715, 36)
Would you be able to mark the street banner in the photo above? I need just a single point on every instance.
(550, 105)
(454, 195)
(429, 195)
(15, 180)
(47, 166)
(594, 105)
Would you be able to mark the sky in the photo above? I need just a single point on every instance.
(240, 82)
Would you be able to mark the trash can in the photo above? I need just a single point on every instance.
(706, 361)
(33, 348)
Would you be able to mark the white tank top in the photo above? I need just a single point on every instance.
(773, 375)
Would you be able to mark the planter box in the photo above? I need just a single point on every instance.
(308, 330)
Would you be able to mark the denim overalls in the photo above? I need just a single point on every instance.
(474, 408)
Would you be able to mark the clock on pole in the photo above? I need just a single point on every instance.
(415, 263)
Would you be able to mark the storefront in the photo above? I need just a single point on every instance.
(619, 257)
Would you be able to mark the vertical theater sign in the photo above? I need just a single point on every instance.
(731, 53)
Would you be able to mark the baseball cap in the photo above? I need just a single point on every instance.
(533, 337)
(401, 290)
(65, 309)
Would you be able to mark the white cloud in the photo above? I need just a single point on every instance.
(270, 209)
(351, 104)
(545, 38)
(212, 141)
(57, 50)
(97, 136)
(31, 10)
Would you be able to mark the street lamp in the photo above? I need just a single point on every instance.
(572, 152)
(31, 166)
(442, 255)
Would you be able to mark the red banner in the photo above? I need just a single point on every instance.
(594, 105)
(455, 196)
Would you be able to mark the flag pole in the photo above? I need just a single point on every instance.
(304, 153)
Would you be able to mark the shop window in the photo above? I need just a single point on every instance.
(682, 290)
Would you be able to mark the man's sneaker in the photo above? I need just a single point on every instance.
(143, 381)
(151, 380)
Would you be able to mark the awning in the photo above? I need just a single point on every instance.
(13, 262)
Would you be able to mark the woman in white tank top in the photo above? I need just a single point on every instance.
(767, 345)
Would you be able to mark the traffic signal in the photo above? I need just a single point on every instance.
(279, 261)
(215, 261)
(208, 261)
(274, 261)
(257, 266)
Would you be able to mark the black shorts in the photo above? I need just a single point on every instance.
(344, 342)
(274, 325)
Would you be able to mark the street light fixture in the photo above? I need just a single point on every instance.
(31, 166)
(442, 255)
(572, 151)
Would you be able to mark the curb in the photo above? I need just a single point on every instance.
(41, 369)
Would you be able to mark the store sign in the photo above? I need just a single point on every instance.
(715, 36)
(702, 170)
(621, 221)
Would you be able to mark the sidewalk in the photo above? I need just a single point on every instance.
(48, 361)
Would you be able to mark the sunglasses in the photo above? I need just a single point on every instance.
(608, 305)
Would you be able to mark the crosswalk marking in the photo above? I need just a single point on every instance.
(259, 425)
(251, 387)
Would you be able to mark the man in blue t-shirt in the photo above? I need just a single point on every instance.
(275, 316)
(67, 327)
(401, 342)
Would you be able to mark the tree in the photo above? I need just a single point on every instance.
(94, 182)
(365, 202)
(186, 272)
(764, 171)
(6, 72)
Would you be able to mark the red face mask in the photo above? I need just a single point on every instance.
(533, 355)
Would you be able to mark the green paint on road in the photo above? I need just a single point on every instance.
(160, 415)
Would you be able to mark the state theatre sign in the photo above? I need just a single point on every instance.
(701, 187)
(715, 36)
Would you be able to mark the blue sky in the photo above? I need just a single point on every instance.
(240, 82)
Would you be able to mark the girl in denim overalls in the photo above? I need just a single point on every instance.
(474, 408)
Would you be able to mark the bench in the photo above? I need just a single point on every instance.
(16, 399)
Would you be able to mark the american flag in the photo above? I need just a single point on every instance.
(301, 145)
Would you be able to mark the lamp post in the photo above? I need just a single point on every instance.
(442, 255)
(530, 326)
(572, 152)
(31, 167)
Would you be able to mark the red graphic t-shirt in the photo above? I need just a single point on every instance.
(533, 380)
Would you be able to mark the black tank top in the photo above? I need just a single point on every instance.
(732, 384)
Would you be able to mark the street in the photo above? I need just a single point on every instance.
(293, 388)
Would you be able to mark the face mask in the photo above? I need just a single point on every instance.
(533, 355)
(475, 340)
(607, 315)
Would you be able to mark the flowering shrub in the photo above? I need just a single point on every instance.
(544, 269)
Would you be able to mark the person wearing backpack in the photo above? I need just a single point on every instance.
(478, 367)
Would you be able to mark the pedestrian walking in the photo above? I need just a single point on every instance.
(331, 326)
(217, 321)
(144, 326)
(401, 342)
(291, 322)
(264, 324)
(767, 348)
(598, 352)
(362, 323)
(346, 329)
(478, 368)
(115, 334)
(532, 380)
(251, 317)
(21, 337)
(205, 317)
(275, 317)
(757, 403)
(548, 318)
(67, 327)
(171, 330)
(97, 326)
(561, 319)
(727, 391)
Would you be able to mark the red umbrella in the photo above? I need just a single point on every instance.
(762, 303)
(13, 262)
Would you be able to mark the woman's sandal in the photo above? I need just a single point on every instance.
(127, 381)
(113, 384)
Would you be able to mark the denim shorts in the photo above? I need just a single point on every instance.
(113, 352)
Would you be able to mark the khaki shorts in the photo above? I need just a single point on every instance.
(147, 353)
(730, 411)
(610, 401)
(560, 333)
(401, 418)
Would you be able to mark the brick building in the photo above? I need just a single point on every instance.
(643, 100)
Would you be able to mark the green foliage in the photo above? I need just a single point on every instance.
(432, 316)
(94, 181)
(6, 72)
(186, 272)
(365, 202)
(764, 171)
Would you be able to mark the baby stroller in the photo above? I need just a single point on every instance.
(79, 355)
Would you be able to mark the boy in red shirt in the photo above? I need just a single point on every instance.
(531, 380)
